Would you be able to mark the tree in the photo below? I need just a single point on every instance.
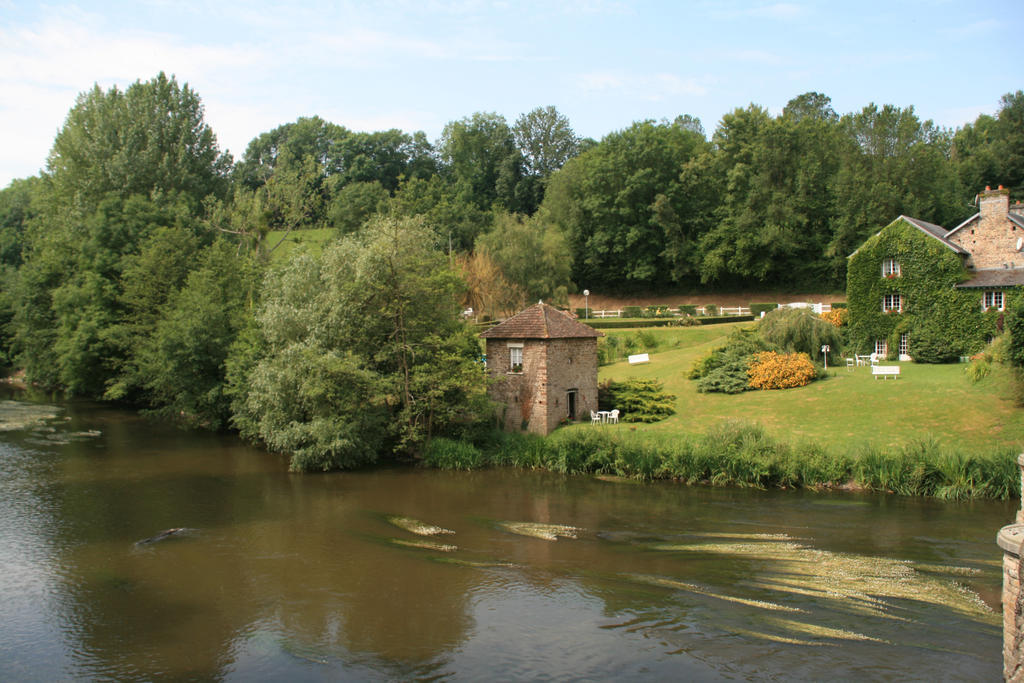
(362, 351)
(772, 225)
(892, 164)
(532, 255)
(149, 140)
(123, 166)
(604, 201)
(481, 158)
(182, 364)
(546, 140)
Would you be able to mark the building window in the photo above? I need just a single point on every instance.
(890, 268)
(992, 300)
(881, 348)
(905, 344)
(515, 356)
(892, 303)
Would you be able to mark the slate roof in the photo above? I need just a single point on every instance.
(541, 321)
(936, 231)
(995, 278)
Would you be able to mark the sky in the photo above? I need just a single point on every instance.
(419, 64)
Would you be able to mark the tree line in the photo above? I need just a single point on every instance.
(144, 264)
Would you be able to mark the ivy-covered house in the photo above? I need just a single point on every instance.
(916, 290)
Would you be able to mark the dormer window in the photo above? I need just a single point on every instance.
(992, 300)
(892, 303)
(890, 268)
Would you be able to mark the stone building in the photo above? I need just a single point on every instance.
(544, 363)
(915, 280)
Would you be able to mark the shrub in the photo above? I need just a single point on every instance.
(726, 379)
(648, 339)
(757, 309)
(738, 348)
(582, 313)
(839, 304)
(979, 368)
(770, 370)
(632, 312)
(928, 344)
(448, 454)
(710, 309)
(688, 309)
(639, 400)
(798, 330)
(837, 316)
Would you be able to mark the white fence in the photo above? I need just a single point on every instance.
(719, 310)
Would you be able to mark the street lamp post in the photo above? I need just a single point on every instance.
(586, 303)
(824, 352)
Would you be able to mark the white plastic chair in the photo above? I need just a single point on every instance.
(595, 419)
(613, 416)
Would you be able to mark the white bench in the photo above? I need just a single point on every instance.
(639, 358)
(885, 371)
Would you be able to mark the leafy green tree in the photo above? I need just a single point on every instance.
(604, 200)
(362, 351)
(798, 330)
(124, 165)
(450, 211)
(892, 164)
(149, 140)
(480, 156)
(532, 255)
(546, 140)
(773, 222)
(182, 365)
(354, 204)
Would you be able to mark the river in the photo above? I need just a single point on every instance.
(354, 576)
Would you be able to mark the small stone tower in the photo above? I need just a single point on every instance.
(544, 362)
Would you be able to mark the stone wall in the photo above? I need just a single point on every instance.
(537, 396)
(572, 364)
(1011, 541)
(992, 237)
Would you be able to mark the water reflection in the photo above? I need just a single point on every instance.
(328, 576)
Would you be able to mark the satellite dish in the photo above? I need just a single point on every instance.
(1020, 243)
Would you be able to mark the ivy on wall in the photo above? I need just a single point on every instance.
(934, 313)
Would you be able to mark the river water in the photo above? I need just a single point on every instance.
(339, 576)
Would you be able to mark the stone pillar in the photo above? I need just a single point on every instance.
(1011, 541)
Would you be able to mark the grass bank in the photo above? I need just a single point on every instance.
(736, 454)
(932, 432)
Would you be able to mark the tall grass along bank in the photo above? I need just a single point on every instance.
(740, 454)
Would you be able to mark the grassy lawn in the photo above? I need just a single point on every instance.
(314, 241)
(845, 410)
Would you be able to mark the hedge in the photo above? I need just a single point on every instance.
(618, 323)
(757, 309)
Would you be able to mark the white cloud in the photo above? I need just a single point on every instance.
(649, 87)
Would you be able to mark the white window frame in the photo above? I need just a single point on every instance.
(890, 267)
(993, 299)
(882, 348)
(892, 303)
(904, 344)
(515, 358)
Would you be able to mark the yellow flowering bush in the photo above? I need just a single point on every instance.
(770, 370)
(837, 316)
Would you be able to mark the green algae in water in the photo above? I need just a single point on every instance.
(15, 415)
(424, 545)
(414, 526)
(546, 532)
(848, 596)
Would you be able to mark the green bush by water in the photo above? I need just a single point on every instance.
(740, 454)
